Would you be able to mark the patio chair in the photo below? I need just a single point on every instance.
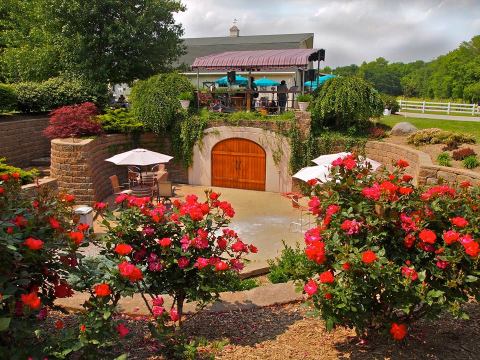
(304, 219)
(165, 190)
(117, 188)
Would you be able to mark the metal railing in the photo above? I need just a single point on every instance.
(448, 108)
(238, 100)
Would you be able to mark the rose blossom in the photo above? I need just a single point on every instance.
(310, 287)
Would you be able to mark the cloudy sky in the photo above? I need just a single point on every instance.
(350, 30)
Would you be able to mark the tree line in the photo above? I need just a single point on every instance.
(455, 75)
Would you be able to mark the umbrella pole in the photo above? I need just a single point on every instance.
(249, 98)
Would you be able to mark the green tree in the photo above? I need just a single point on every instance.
(350, 70)
(345, 101)
(383, 76)
(104, 40)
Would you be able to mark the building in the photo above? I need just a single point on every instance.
(198, 47)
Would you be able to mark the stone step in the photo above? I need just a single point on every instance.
(41, 162)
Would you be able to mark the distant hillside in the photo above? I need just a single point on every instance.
(455, 75)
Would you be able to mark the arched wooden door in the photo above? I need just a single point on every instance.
(238, 163)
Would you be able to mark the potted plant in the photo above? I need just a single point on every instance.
(303, 101)
(185, 98)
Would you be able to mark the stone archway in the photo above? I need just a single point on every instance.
(276, 148)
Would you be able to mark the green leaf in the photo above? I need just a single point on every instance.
(4, 323)
(107, 314)
(471, 278)
(329, 324)
(122, 357)
(422, 275)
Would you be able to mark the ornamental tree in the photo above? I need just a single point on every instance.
(343, 102)
(185, 251)
(39, 239)
(389, 253)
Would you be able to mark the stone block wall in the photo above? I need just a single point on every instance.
(21, 139)
(80, 167)
(421, 166)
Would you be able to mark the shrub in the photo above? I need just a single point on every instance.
(437, 136)
(187, 95)
(444, 159)
(57, 92)
(36, 252)
(73, 121)
(25, 176)
(377, 132)
(291, 265)
(119, 121)
(387, 253)
(472, 92)
(345, 101)
(390, 102)
(463, 153)
(155, 100)
(304, 98)
(8, 100)
(471, 162)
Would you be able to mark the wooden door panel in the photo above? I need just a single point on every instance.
(238, 163)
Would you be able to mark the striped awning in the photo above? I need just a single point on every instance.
(256, 60)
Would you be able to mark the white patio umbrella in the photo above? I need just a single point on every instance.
(328, 159)
(139, 157)
(320, 172)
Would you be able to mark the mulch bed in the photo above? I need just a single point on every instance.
(287, 332)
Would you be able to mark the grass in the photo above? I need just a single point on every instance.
(468, 127)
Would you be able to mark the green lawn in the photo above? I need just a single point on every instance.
(469, 127)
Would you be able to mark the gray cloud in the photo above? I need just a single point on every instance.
(350, 30)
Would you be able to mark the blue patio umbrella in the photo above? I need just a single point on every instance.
(314, 84)
(239, 80)
(264, 82)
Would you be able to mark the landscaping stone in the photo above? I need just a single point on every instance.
(403, 128)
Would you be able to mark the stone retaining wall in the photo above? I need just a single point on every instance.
(421, 166)
(21, 140)
(81, 169)
(46, 182)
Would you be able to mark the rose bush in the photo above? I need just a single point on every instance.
(36, 252)
(389, 253)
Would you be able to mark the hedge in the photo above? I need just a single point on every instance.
(57, 92)
(8, 100)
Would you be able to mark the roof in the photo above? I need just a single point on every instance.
(197, 47)
(256, 59)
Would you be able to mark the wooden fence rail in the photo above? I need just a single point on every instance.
(428, 106)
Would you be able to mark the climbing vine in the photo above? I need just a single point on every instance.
(185, 135)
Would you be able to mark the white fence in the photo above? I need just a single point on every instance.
(449, 108)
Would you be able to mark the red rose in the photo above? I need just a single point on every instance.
(407, 178)
(409, 273)
(239, 246)
(31, 300)
(253, 249)
(402, 163)
(130, 271)
(33, 244)
(69, 198)
(398, 331)
(327, 277)
(183, 262)
(123, 249)
(312, 182)
(459, 221)
(2, 190)
(83, 227)
(409, 240)
(59, 324)
(83, 328)
(10, 230)
(4, 177)
(465, 184)
(16, 175)
(427, 236)
(472, 248)
(201, 263)
(213, 196)
(20, 221)
(76, 237)
(346, 266)
(122, 330)
(450, 237)
(310, 287)
(405, 190)
(369, 257)
(174, 315)
(62, 290)
(54, 224)
(102, 290)
(100, 206)
(165, 242)
(328, 296)
(221, 266)
(315, 251)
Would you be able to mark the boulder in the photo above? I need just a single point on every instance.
(403, 128)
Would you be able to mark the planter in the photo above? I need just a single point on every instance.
(185, 103)
(387, 112)
(303, 105)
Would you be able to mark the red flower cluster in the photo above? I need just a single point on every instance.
(123, 249)
(33, 244)
(102, 290)
(369, 257)
(398, 331)
(347, 162)
(315, 251)
(130, 271)
(31, 300)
